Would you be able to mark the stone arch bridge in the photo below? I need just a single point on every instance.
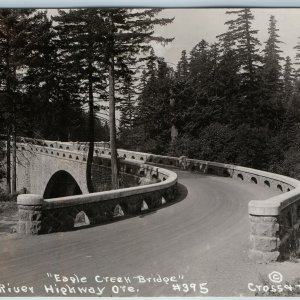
(52, 169)
(53, 176)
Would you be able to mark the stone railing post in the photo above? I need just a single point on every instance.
(183, 163)
(30, 213)
(264, 237)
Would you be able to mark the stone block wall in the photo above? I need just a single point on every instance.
(264, 237)
(37, 216)
(130, 174)
(142, 187)
(30, 208)
(274, 223)
(275, 237)
(101, 176)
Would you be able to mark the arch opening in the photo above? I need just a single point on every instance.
(81, 219)
(253, 180)
(118, 211)
(240, 176)
(279, 187)
(267, 183)
(61, 184)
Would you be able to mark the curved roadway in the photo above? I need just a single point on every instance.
(203, 237)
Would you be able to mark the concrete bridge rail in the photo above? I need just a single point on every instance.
(156, 186)
(274, 223)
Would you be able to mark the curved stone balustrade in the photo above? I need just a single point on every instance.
(37, 215)
(274, 223)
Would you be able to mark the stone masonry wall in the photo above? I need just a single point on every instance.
(36, 216)
(274, 223)
(264, 237)
(275, 237)
(129, 175)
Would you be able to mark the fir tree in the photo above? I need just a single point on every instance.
(19, 28)
(183, 66)
(154, 119)
(129, 33)
(297, 47)
(80, 38)
(272, 57)
(240, 30)
(229, 80)
(215, 62)
(204, 104)
(50, 88)
(199, 56)
(288, 80)
(128, 109)
(150, 69)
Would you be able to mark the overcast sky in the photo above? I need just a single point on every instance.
(192, 25)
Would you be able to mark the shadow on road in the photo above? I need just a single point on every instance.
(182, 192)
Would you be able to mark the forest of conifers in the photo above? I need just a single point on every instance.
(236, 100)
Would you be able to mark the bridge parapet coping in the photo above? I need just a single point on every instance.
(274, 222)
(30, 200)
(38, 215)
(59, 214)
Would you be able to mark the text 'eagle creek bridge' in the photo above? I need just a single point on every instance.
(53, 175)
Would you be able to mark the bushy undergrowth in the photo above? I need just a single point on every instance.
(4, 197)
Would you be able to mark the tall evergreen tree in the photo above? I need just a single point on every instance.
(203, 105)
(288, 80)
(129, 33)
(251, 107)
(297, 47)
(18, 31)
(183, 66)
(178, 85)
(272, 79)
(80, 38)
(154, 119)
(272, 70)
(240, 30)
(228, 77)
(51, 89)
(199, 56)
(128, 104)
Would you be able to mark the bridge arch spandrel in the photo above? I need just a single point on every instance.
(41, 167)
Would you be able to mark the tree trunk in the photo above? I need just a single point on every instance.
(112, 124)
(248, 38)
(174, 131)
(14, 161)
(8, 170)
(89, 162)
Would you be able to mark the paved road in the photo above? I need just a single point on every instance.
(202, 239)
